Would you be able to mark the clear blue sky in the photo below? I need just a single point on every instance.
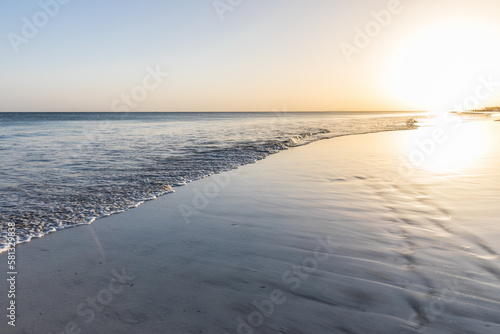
(264, 55)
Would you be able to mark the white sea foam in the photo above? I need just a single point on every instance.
(63, 170)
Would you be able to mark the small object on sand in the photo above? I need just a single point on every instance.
(411, 122)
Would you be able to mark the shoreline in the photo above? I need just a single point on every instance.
(287, 144)
(301, 241)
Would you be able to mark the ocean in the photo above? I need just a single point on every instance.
(65, 169)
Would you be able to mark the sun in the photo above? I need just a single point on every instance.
(438, 67)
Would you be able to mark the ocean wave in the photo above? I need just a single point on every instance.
(75, 179)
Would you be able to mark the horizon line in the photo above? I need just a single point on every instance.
(220, 111)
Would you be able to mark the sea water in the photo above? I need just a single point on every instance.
(65, 169)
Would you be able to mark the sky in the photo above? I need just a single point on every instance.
(249, 55)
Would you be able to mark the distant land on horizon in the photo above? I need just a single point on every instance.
(488, 109)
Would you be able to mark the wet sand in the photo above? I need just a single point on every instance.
(339, 236)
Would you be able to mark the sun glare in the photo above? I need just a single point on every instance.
(437, 68)
(448, 147)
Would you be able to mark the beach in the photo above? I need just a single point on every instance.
(337, 236)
